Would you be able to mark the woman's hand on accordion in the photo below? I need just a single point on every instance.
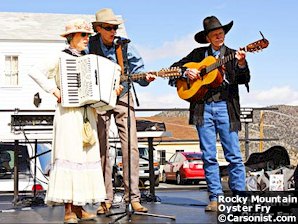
(119, 90)
(150, 77)
(57, 94)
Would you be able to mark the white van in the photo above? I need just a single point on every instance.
(26, 167)
(116, 161)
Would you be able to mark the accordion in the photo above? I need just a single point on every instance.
(88, 80)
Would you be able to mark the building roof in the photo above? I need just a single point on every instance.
(38, 26)
(178, 126)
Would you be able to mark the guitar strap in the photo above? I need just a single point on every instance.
(120, 60)
(119, 56)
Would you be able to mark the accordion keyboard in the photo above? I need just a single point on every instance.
(70, 82)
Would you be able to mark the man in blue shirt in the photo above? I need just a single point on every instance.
(104, 44)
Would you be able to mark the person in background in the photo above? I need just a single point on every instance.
(218, 112)
(103, 44)
(76, 176)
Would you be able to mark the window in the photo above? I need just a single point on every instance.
(11, 72)
(7, 161)
(192, 156)
(162, 157)
(172, 159)
(44, 156)
(143, 152)
(179, 158)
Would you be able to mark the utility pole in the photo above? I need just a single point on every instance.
(261, 130)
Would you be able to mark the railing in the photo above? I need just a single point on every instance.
(246, 118)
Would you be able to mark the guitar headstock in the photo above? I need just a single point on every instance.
(169, 72)
(257, 45)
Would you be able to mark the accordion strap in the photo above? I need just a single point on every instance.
(85, 117)
(119, 55)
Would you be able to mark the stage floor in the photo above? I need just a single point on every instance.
(186, 205)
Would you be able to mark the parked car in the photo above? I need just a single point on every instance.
(25, 166)
(116, 160)
(184, 166)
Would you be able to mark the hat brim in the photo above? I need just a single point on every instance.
(200, 37)
(113, 22)
(76, 31)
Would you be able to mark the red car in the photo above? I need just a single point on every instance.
(184, 166)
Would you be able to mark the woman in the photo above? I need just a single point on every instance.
(76, 174)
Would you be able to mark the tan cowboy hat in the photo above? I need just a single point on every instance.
(77, 26)
(211, 23)
(106, 16)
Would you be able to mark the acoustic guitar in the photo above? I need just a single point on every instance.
(210, 76)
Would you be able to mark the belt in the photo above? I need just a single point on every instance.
(216, 95)
(214, 98)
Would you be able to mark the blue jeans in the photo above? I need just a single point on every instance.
(216, 120)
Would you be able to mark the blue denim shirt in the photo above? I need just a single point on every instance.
(135, 63)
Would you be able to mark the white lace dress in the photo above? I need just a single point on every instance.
(76, 174)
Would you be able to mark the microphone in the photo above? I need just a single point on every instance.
(120, 41)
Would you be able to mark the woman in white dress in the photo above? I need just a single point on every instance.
(76, 175)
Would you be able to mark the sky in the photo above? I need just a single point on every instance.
(163, 32)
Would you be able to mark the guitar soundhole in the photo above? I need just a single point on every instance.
(203, 72)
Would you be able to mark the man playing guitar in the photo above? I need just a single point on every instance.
(217, 110)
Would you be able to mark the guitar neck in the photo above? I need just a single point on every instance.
(164, 73)
(220, 62)
(134, 77)
(252, 47)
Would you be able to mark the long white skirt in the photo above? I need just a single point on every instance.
(76, 173)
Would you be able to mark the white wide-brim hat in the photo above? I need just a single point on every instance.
(106, 16)
(77, 26)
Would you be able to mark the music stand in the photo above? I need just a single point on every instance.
(129, 211)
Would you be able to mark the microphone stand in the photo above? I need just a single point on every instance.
(129, 211)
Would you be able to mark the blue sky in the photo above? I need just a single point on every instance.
(163, 30)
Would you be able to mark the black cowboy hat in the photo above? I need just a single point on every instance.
(211, 23)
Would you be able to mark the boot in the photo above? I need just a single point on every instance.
(82, 214)
(70, 218)
(211, 207)
(103, 208)
(137, 207)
